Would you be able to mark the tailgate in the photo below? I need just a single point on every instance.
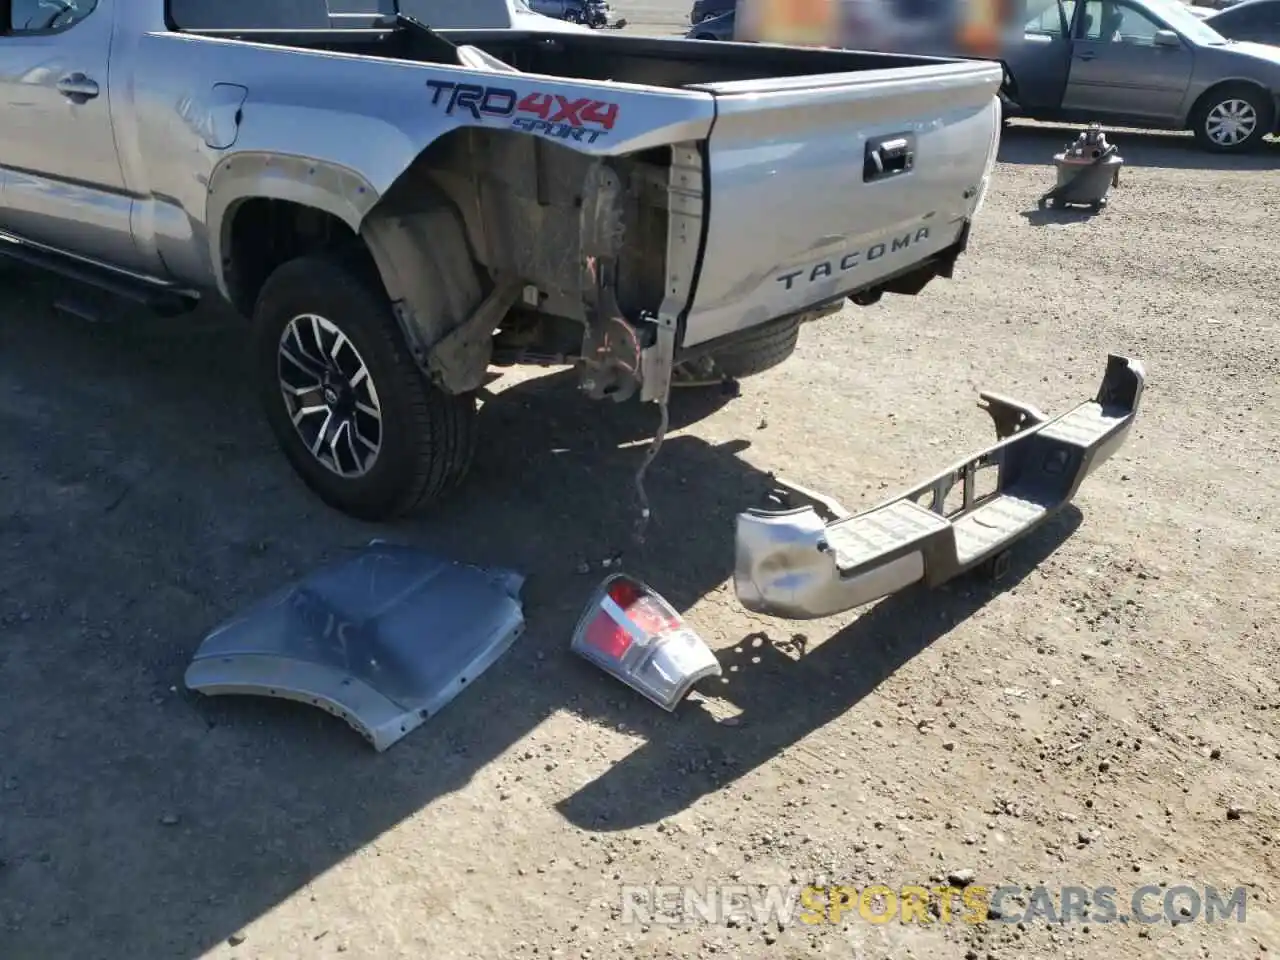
(807, 199)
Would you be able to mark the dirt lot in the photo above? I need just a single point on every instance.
(1089, 722)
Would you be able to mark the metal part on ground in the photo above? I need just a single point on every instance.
(815, 560)
(383, 640)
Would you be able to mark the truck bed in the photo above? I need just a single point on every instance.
(809, 174)
(651, 61)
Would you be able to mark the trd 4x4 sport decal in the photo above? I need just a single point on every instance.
(550, 114)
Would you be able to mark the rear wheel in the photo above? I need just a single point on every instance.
(352, 412)
(1232, 119)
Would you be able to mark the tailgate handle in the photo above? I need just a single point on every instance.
(888, 157)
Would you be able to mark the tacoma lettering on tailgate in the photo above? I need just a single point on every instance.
(551, 114)
(853, 260)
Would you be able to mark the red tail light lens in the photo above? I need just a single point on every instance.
(629, 631)
(625, 592)
(608, 636)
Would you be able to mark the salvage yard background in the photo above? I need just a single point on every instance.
(1091, 721)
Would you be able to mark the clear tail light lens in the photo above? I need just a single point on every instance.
(630, 632)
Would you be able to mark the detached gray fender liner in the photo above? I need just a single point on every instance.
(383, 640)
(816, 560)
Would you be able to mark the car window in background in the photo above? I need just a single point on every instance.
(1111, 22)
(1174, 13)
(1137, 27)
(1095, 25)
(35, 16)
(1048, 22)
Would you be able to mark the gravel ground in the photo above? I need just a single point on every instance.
(1105, 716)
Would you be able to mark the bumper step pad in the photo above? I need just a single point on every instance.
(810, 558)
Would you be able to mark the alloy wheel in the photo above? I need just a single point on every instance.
(329, 395)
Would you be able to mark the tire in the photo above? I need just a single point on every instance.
(1212, 115)
(755, 351)
(422, 443)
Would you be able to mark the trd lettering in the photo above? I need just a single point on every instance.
(472, 98)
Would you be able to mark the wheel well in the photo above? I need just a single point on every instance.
(266, 233)
(1217, 90)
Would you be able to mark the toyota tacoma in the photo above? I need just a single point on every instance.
(398, 209)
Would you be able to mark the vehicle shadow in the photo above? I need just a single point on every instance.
(1036, 143)
(783, 699)
(1041, 217)
(144, 502)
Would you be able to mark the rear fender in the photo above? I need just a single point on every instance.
(405, 165)
(337, 131)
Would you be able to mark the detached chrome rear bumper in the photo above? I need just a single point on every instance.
(815, 560)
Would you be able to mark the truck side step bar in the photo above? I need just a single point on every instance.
(159, 298)
(816, 560)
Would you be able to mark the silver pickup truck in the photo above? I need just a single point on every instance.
(398, 209)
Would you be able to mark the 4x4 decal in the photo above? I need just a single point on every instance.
(551, 114)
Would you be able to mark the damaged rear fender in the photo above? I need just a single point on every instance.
(479, 218)
(486, 218)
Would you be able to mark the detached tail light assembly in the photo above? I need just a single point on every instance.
(630, 632)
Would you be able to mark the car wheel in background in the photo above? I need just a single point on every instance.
(1232, 118)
